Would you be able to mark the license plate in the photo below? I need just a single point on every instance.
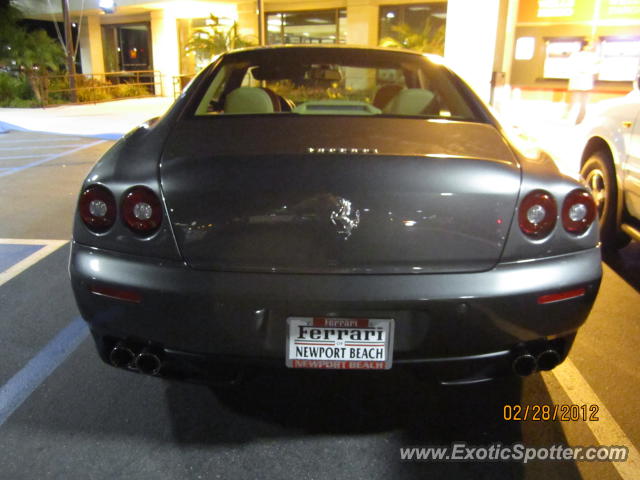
(340, 343)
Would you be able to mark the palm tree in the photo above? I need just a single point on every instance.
(30, 54)
(215, 39)
(428, 40)
(34, 55)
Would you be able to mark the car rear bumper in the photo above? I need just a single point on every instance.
(464, 323)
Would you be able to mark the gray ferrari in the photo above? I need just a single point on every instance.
(331, 208)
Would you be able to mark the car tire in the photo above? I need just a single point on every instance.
(599, 173)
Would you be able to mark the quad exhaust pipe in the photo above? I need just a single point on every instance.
(148, 362)
(548, 359)
(121, 355)
(525, 363)
(145, 361)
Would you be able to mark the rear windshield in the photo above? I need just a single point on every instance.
(325, 81)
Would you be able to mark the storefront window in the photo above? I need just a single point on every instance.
(619, 59)
(557, 60)
(322, 26)
(126, 47)
(191, 61)
(417, 26)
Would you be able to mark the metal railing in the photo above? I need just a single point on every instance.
(179, 82)
(99, 87)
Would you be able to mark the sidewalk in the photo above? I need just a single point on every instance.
(107, 120)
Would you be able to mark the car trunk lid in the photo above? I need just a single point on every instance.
(339, 195)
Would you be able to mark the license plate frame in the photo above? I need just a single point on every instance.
(348, 343)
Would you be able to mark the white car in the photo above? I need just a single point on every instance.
(610, 164)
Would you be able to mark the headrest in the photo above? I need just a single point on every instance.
(412, 101)
(384, 95)
(248, 100)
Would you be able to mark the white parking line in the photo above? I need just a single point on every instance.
(55, 156)
(37, 370)
(606, 429)
(50, 246)
(18, 157)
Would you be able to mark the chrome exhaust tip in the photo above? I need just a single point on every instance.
(121, 355)
(148, 362)
(548, 359)
(524, 365)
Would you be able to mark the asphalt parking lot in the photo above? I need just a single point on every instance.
(64, 414)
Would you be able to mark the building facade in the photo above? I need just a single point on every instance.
(518, 43)
(548, 32)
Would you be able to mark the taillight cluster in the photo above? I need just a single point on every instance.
(578, 212)
(140, 209)
(97, 207)
(538, 213)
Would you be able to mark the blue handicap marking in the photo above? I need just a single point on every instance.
(10, 254)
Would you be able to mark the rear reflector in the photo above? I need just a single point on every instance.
(118, 294)
(556, 297)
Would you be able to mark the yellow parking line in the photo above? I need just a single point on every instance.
(50, 246)
(606, 429)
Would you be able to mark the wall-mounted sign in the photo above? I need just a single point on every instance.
(555, 8)
(583, 11)
(558, 61)
(619, 59)
(624, 8)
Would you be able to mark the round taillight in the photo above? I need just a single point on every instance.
(97, 208)
(141, 210)
(537, 214)
(578, 211)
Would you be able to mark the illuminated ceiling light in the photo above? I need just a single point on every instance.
(107, 6)
(390, 15)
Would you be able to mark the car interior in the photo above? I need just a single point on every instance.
(243, 88)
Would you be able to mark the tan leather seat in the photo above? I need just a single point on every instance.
(412, 101)
(248, 100)
(275, 99)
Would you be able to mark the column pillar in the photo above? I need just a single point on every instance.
(362, 23)
(470, 41)
(91, 56)
(166, 55)
(248, 20)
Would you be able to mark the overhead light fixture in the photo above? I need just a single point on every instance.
(107, 6)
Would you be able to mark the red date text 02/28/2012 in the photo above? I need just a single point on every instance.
(544, 413)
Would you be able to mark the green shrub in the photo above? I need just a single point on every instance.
(125, 90)
(15, 92)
